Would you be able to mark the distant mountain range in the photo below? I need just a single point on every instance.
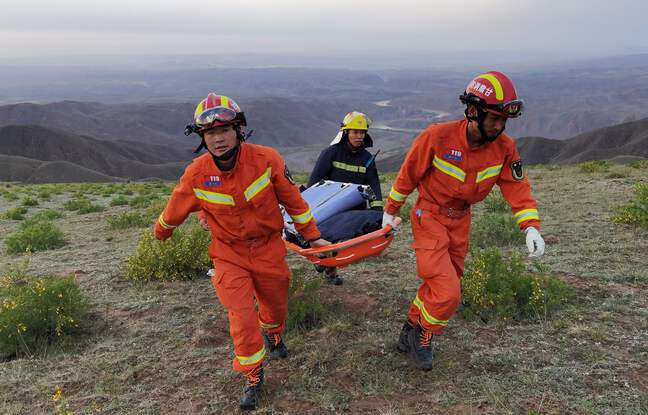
(619, 142)
(37, 154)
(622, 142)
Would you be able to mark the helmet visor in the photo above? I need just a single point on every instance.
(511, 109)
(212, 115)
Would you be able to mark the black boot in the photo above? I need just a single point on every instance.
(275, 345)
(420, 347)
(330, 273)
(252, 391)
(403, 341)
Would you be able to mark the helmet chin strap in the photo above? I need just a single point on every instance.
(228, 154)
(481, 116)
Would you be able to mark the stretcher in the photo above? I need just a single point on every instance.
(347, 252)
(328, 198)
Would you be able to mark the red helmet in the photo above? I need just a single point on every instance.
(493, 92)
(217, 110)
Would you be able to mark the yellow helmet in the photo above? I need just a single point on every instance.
(355, 121)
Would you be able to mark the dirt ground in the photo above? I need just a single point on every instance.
(164, 347)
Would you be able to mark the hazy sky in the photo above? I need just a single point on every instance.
(552, 27)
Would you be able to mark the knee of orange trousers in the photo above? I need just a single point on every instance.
(272, 298)
(439, 296)
(248, 343)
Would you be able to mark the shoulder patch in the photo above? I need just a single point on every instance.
(289, 176)
(517, 170)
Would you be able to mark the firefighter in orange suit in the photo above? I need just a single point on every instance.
(454, 165)
(237, 188)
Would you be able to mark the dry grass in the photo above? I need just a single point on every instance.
(164, 347)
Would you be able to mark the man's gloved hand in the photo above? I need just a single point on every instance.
(319, 242)
(534, 241)
(393, 221)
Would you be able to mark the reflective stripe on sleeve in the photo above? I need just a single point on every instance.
(526, 214)
(449, 169)
(164, 224)
(303, 218)
(397, 196)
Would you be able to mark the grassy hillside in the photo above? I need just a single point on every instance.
(164, 347)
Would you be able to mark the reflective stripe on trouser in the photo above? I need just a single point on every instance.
(441, 245)
(252, 284)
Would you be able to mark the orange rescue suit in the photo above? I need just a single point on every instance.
(241, 207)
(449, 177)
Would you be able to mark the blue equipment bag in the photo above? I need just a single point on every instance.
(327, 198)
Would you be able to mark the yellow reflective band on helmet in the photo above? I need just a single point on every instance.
(427, 316)
(224, 101)
(199, 109)
(489, 172)
(377, 203)
(398, 197)
(268, 326)
(349, 167)
(164, 224)
(258, 185)
(499, 91)
(526, 214)
(449, 169)
(255, 358)
(303, 218)
(215, 198)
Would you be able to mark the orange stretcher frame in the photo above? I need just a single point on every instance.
(344, 253)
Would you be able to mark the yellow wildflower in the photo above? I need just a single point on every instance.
(58, 394)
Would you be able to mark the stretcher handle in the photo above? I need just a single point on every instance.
(322, 250)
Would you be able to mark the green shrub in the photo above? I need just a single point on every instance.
(594, 166)
(305, 306)
(181, 257)
(35, 236)
(15, 213)
(495, 203)
(10, 196)
(635, 212)
(76, 203)
(495, 288)
(119, 201)
(37, 312)
(46, 215)
(155, 208)
(44, 195)
(82, 205)
(128, 220)
(495, 229)
(29, 201)
(142, 201)
(639, 164)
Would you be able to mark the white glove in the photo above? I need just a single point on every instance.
(393, 221)
(534, 242)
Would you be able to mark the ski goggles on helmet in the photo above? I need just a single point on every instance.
(511, 109)
(211, 116)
